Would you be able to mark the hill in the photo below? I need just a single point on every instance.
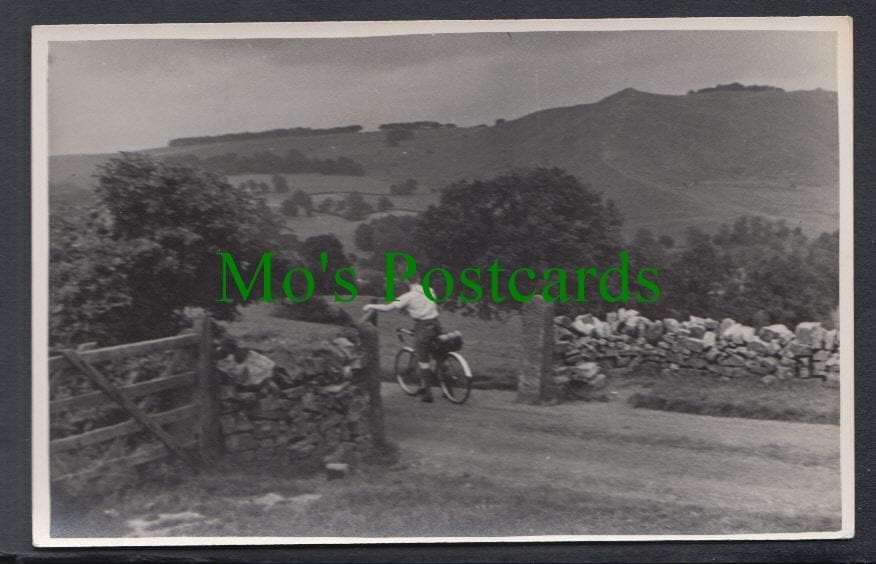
(668, 161)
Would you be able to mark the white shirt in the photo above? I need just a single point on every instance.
(417, 304)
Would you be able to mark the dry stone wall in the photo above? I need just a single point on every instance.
(295, 408)
(587, 346)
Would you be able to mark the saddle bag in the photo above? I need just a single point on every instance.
(448, 342)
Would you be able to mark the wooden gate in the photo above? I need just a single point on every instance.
(197, 381)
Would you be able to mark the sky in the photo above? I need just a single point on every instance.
(107, 96)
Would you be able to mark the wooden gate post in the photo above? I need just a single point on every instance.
(535, 375)
(210, 436)
(370, 342)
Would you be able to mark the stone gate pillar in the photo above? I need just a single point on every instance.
(534, 376)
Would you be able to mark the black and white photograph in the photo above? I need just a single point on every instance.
(442, 281)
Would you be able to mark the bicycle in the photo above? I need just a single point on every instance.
(450, 368)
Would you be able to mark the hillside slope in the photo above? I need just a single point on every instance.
(668, 161)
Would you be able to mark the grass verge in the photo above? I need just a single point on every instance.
(806, 401)
(405, 502)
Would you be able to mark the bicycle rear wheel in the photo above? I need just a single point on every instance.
(455, 378)
(406, 372)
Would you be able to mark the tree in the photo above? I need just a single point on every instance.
(303, 200)
(384, 234)
(363, 237)
(323, 272)
(539, 218)
(280, 184)
(326, 205)
(754, 270)
(126, 272)
(356, 208)
(384, 204)
(289, 207)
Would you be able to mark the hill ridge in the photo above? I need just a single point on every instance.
(667, 160)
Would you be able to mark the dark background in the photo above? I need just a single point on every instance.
(16, 17)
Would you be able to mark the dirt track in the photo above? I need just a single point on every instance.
(493, 467)
(737, 466)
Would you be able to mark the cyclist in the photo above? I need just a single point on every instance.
(424, 312)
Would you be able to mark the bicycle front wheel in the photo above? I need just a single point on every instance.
(406, 372)
(455, 378)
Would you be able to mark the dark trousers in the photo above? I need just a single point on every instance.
(425, 334)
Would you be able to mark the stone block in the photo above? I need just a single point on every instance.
(693, 344)
(581, 328)
(739, 334)
(697, 331)
(820, 355)
(696, 362)
(584, 371)
(776, 332)
(758, 346)
(731, 359)
(710, 339)
(808, 332)
(798, 349)
(831, 340)
(725, 324)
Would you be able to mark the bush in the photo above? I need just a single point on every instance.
(280, 184)
(303, 200)
(289, 207)
(384, 234)
(125, 271)
(384, 204)
(356, 208)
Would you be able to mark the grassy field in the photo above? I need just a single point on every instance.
(491, 347)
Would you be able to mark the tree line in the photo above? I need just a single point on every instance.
(269, 134)
(126, 269)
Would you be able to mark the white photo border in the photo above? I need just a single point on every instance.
(42, 35)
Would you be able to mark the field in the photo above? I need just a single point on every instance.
(321, 186)
(490, 347)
